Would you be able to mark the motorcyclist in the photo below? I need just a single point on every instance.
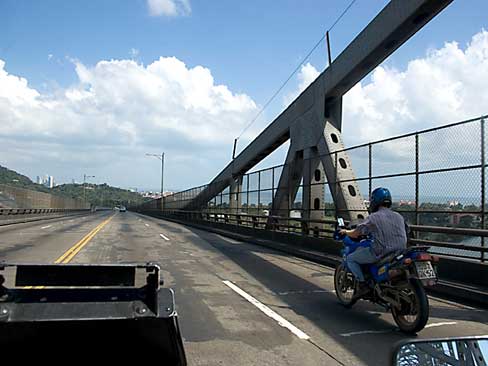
(389, 235)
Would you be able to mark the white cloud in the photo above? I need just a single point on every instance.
(50, 56)
(307, 74)
(121, 99)
(124, 106)
(121, 108)
(169, 7)
(14, 92)
(447, 85)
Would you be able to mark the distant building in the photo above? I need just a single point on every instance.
(50, 182)
(473, 220)
(47, 180)
(406, 203)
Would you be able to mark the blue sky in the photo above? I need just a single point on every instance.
(250, 47)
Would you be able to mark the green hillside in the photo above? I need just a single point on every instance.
(14, 179)
(96, 194)
(100, 194)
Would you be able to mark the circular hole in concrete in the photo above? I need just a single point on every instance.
(352, 190)
(343, 164)
(334, 138)
(316, 204)
(317, 174)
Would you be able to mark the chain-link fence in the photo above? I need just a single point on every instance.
(13, 197)
(437, 178)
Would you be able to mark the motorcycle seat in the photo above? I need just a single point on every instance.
(387, 258)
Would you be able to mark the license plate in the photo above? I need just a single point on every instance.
(425, 270)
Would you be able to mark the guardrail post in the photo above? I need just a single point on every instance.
(305, 229)
(417, 180)
(483, 181)
(336, 186)
(370, 169)
(272, 189)
(259, 193)
(316, 232)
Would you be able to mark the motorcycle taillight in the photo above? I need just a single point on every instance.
(423, 257)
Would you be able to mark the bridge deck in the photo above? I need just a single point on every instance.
(219, 324)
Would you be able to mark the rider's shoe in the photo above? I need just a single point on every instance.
(362, 289)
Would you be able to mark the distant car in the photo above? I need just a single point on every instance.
(122, 209)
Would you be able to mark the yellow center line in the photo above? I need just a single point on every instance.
(74, 250)
(71, 252)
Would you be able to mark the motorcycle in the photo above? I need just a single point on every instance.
(396, 281)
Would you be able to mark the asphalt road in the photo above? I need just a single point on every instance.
(214, 278)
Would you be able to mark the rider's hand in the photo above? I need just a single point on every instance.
(343, 232)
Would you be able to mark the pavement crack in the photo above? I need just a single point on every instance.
(326, 352)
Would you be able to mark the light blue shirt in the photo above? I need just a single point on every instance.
(388, 230)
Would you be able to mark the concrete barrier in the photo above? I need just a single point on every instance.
(9, 216)
(462, 280)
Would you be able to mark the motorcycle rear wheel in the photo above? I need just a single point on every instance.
(344, 285)
(414, 313)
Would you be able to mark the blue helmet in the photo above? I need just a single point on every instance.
(379, 197)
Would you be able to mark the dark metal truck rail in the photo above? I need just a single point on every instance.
(99, 308)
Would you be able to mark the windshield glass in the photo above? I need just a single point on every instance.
(274, 183)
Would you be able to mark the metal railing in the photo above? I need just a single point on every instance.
(437, 177)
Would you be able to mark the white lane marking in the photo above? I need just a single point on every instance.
(375, 312)
(229, 240)
(392, 330)
(147, 225)
(367, 332)
(444, 301)
(46, 227)
(281, 321)
(439, 324)
(164, 237)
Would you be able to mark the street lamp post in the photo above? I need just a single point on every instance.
(160, 157)
(85, 177)
(102, 194)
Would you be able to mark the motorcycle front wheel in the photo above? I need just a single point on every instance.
(344, 285)
(413, 314)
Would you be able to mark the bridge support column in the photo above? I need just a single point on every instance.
(315, 154)
(340, 175)
(235, 201)
(288, 184)
(313, 190)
